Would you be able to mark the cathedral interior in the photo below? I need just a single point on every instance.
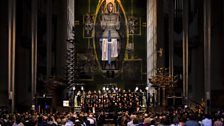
(168, 49)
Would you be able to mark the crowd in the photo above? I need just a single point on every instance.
(117, 108)
(175, 117)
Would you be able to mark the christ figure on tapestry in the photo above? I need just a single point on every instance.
(110, 24)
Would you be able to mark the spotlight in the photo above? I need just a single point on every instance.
(136, 89)
(116, 88)
(107, 88)
(104, 88)
(82, 88)
(147, 88)
(73, 88)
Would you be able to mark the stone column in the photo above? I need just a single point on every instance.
(71, 49)
(207, 54)
(70, 18)
(11, 51)
(185, 49)
(171, 37)
(34, 48)
(151, 40)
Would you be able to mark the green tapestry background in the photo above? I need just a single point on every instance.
(133, 68)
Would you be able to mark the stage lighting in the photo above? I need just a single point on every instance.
(147, 88)
(136, 89)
